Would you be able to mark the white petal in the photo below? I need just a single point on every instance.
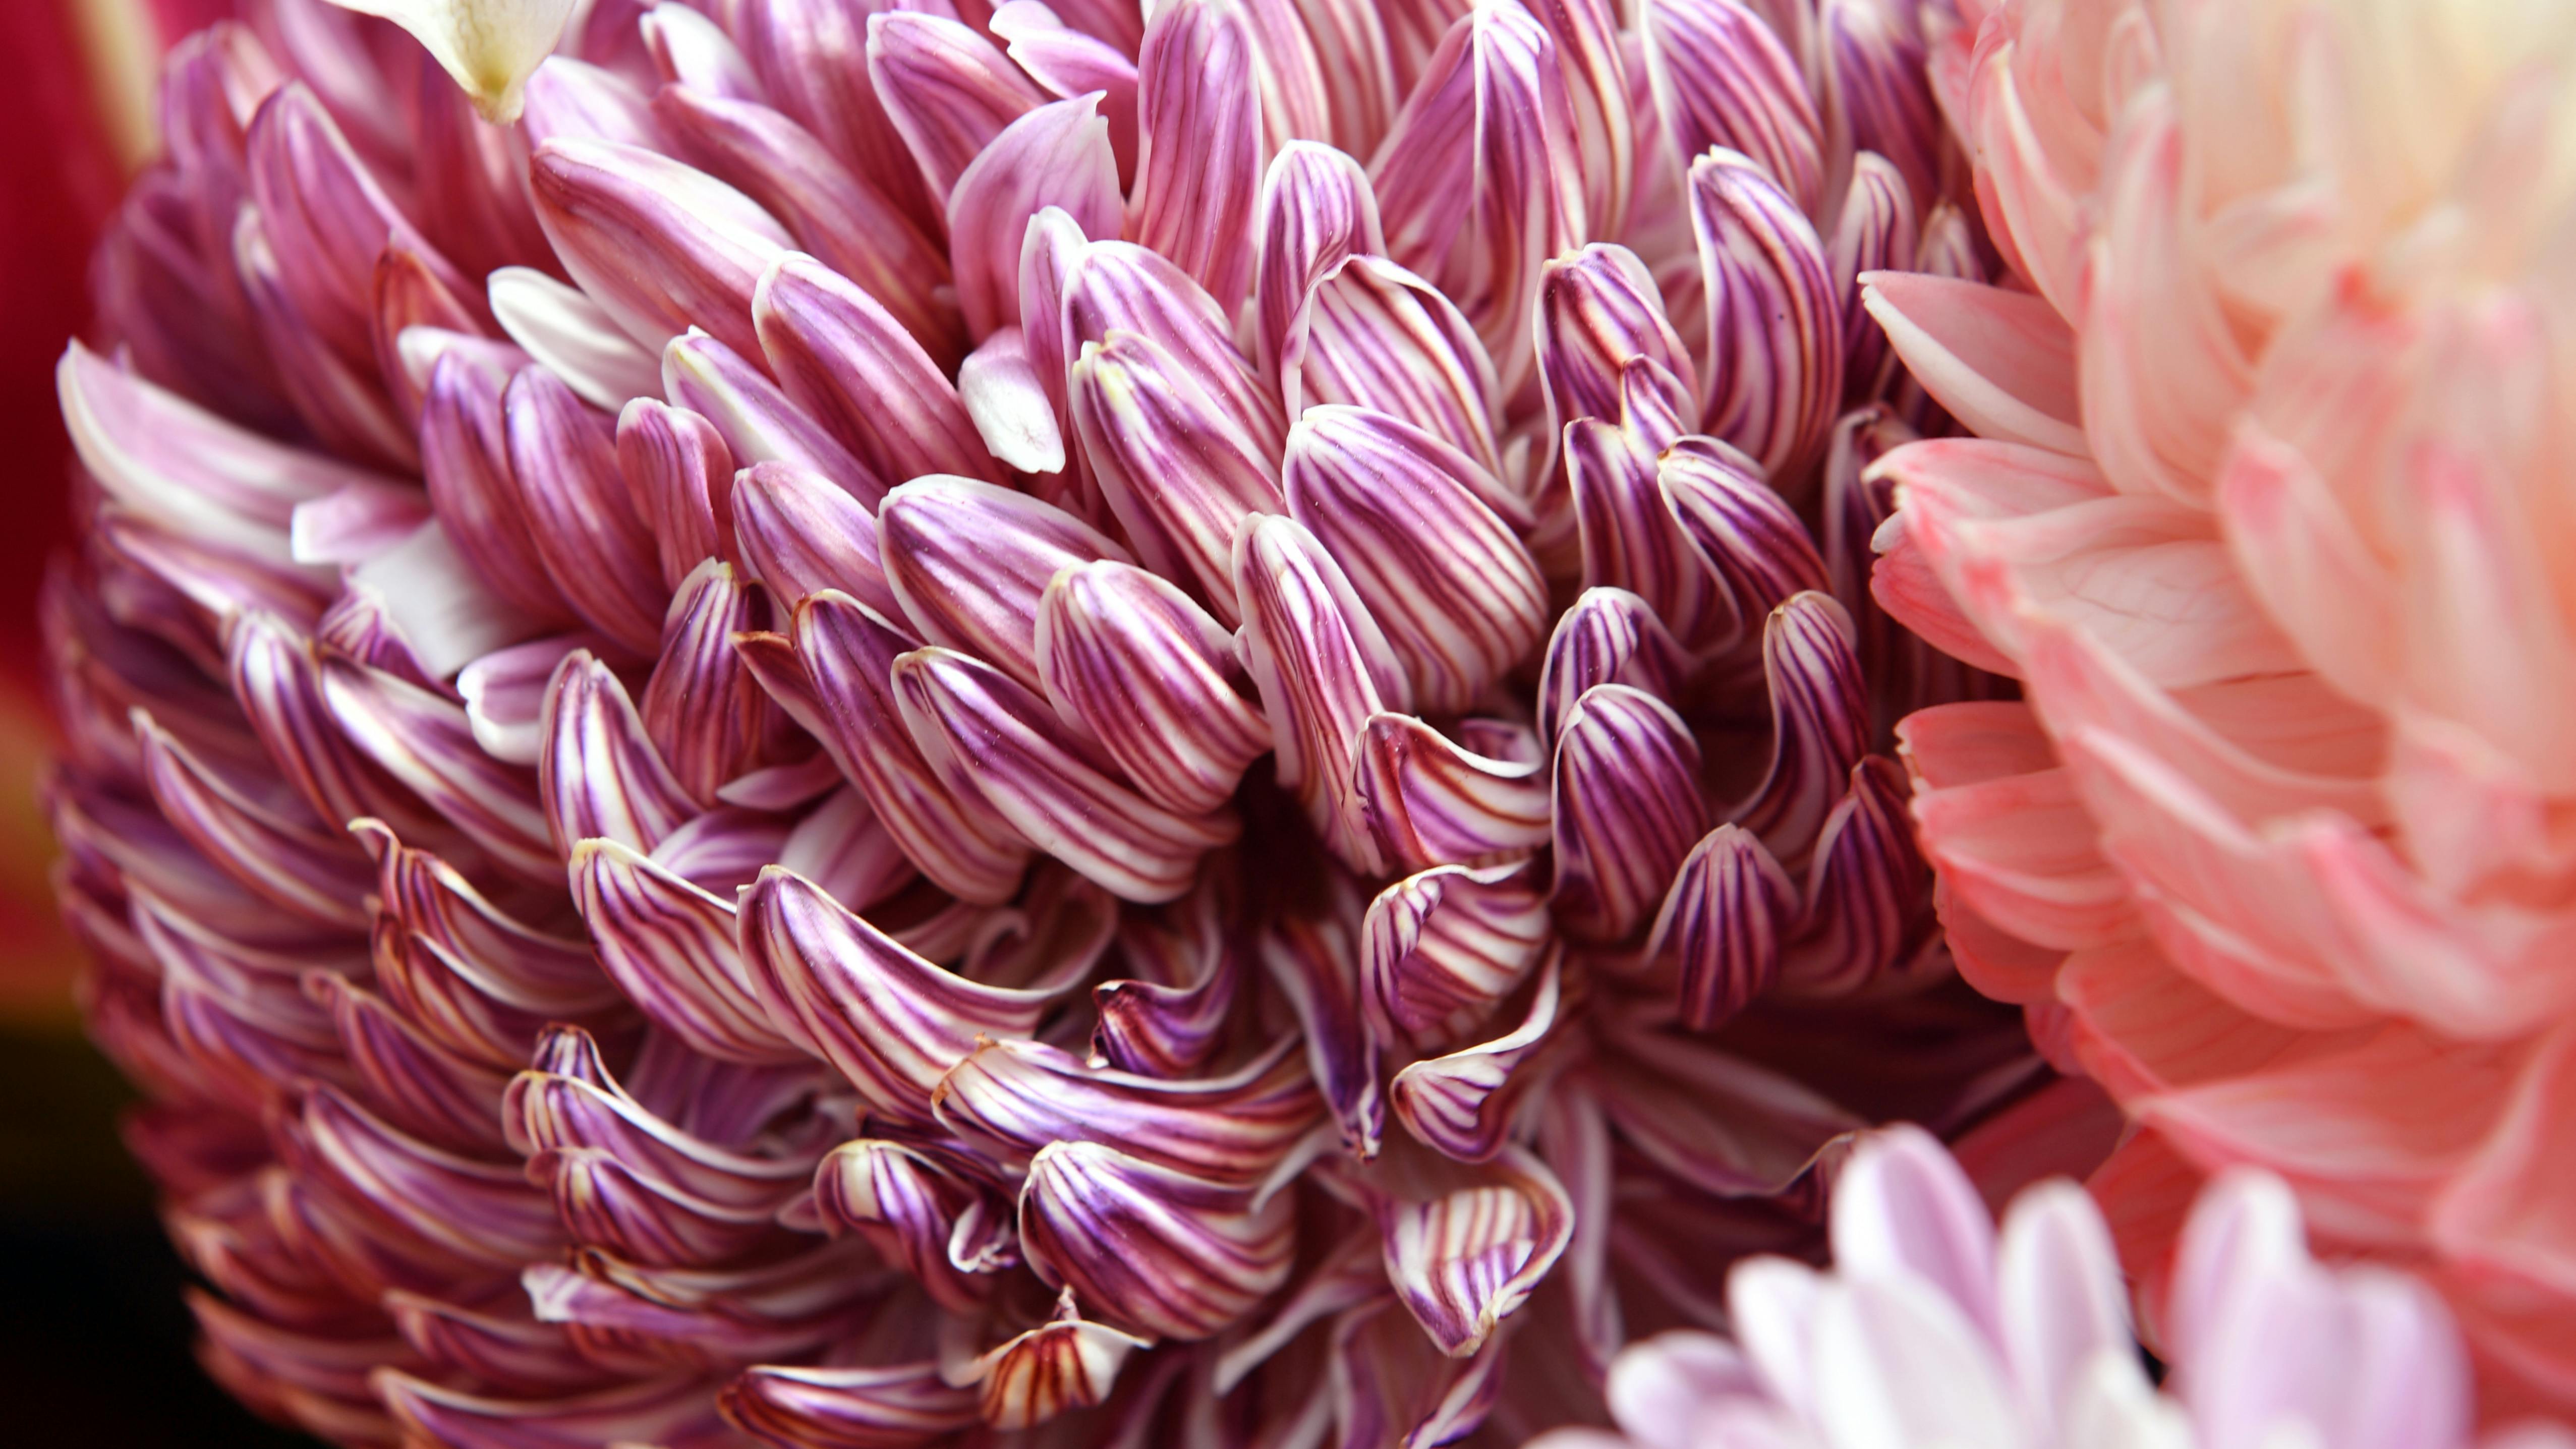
(489, 46)
(558, 325)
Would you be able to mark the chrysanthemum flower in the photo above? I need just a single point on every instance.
(905, 722)
(1930, 1329)
(2270, 513)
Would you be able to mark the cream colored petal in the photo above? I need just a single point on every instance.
(490, 46)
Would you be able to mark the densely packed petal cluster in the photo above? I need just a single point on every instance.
(918, 721)
(2270, 514)
(1931, 1329)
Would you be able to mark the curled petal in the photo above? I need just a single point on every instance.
(1372, 334)
(927, 1210)
(1232, 1129)
(580, 511)
(893, 1407)
(645, 1317)
(969, 562)
(802, 533)
(289, 858)
(662, 246)
(1463, 1104)
(759, 423)
(601, 776)
(1128, 660)
(1874, 233)
(1071, 60)
(1065, 1364)
(1748, 538)
(1322, 668)
(1727, 921)
(1167, 1253)
(1315, 964)
(483, 1213)
(850, 363)
(1819, 723)
(981, 731)
(1724, 78)
(1055, 156)
(419, 1085)
(425, 741)
(1172, 463)
(702, 708)
(846, 685)
(670, 947)
(838, 215)
(811, 57)
(1113, 286)
(1599, 309)
(842, 848)
(945, 88)
(1168, 1020)
(1459, 597)
(1775, 368)
(1627, 809)
(1610, 636)
(491, 50)
(1629, 538)
(1867, 906)
(1440, 950)
(1316, 211)
(1463, 1259)
(674, 1409)
(682, 476)
(568, 1099)
(893, 1022)
(1429, 801)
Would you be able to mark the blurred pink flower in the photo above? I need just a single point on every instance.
(1931, 1329)
(2271, 512)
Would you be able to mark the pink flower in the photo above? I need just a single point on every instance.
(1932, 1329)
(910, 723)
(2268, 513)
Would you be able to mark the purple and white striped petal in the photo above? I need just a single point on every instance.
(893, 1022)
(1112, 285)
(1173, 466)
(1200, 153)
(465, 460)
(1878, 89)
(1627, 809)
(848, 655)
(1867, 907)
(673, 1410)
(643, 1317)
(1775, 362)
(1598, 309)
(501, 1344)
(970, 561)
(1162, 1252)
(601, 776)
(425, 741)
(483, 1213)
(1726, 923)
(811, 57)
(1061, 1365)
(1322, 668)
(1428, 800)
(573, 99)
(1724, 78)
(928, 1210)
(286, 856)
(1128, 660)
(945, 88)
(1630, 540)
(1055, 156)
(832, 212)
(1373, 334)
(1356, 70)
(416, 1083)
(851, 364)
(1315, 964)
(670, 947)
(1819, 724)
(662, 246)
(843, 848)
(704, 711)
(837, 1408)
(1464, 1104)
(802, 533)
(1748, 539)
(1600, 96)
(1463, 1259)
(1459, 597)
(424, 901)
(580, 511)
(1316, 212)
(982, 731)
(1441, 949)
(758, 421)
(1481, 231)
(681, 474)
(1875, 232)
(1234, 1129)
(1610, 636)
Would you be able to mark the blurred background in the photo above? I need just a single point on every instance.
(93, 1340)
